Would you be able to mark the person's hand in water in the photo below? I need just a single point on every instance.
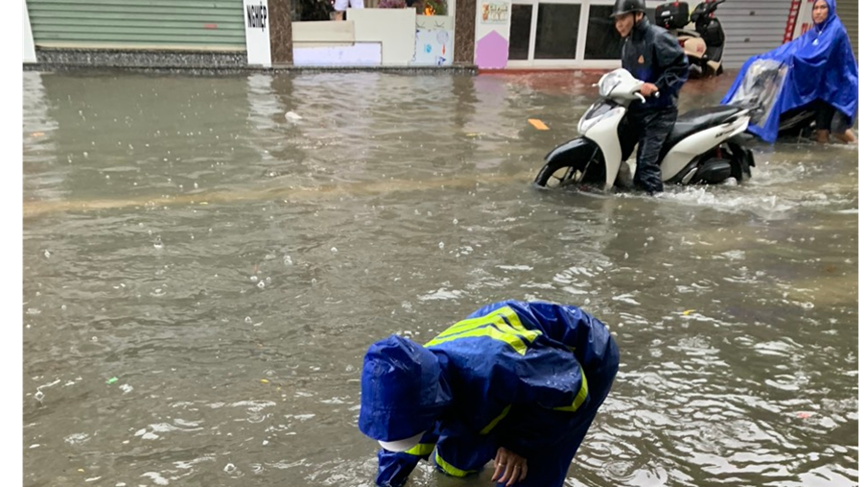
(508, 467)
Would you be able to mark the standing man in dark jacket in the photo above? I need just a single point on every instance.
(652, 55)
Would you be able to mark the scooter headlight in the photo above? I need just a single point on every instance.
(608, 83)
(595, 115)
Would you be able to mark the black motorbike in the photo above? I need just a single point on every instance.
(704, 44)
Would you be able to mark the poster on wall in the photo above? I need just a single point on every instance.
(495, 13)
(433, 47)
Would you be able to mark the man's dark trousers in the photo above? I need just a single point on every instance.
(650, 128)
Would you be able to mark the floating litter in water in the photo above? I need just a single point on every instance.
(112, 380)
(537, 124)
(287, 260)
(254, 279)
(47, 254)
(264, 381)
(293, 116)
(687, 312)
(158, 244)
(442, 245)
(805, 415)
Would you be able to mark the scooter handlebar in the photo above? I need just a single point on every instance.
(640, 97)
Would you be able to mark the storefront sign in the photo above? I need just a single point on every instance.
(257, 32)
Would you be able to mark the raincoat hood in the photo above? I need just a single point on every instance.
(833, 15)
(404, 390)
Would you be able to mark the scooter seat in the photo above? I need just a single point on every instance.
(700, 119)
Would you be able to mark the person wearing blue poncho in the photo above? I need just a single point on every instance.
(817, 70)
(518, 383)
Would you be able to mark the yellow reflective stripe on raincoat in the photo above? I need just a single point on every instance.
(580, 397)
(421, 450)
(502, 324)
(449, 469)
(494, 421)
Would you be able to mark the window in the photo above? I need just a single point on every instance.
(557, 30)
(519, 31)
(603, 41)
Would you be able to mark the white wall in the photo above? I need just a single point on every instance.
(484, 30)
(28, 49)
(358, 54)
(394, 28)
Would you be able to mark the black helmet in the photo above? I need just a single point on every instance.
(626, 6)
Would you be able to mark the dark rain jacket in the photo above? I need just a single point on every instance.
(653, 55)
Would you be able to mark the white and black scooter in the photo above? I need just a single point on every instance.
(704, 147)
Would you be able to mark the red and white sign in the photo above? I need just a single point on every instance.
(791, 20)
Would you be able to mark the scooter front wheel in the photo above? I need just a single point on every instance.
(555, 175)
(562, 172)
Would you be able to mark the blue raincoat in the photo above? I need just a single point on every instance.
(525, 376)
(819, 65)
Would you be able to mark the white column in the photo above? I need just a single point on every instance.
(257, 32)
(28, 49)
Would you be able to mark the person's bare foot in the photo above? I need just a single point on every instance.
(847, 137)
(823, 136)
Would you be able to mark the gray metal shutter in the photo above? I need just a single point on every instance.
(139, 24)
(751, 27)
(848, 12)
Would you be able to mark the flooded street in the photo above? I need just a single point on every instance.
(203, 272)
